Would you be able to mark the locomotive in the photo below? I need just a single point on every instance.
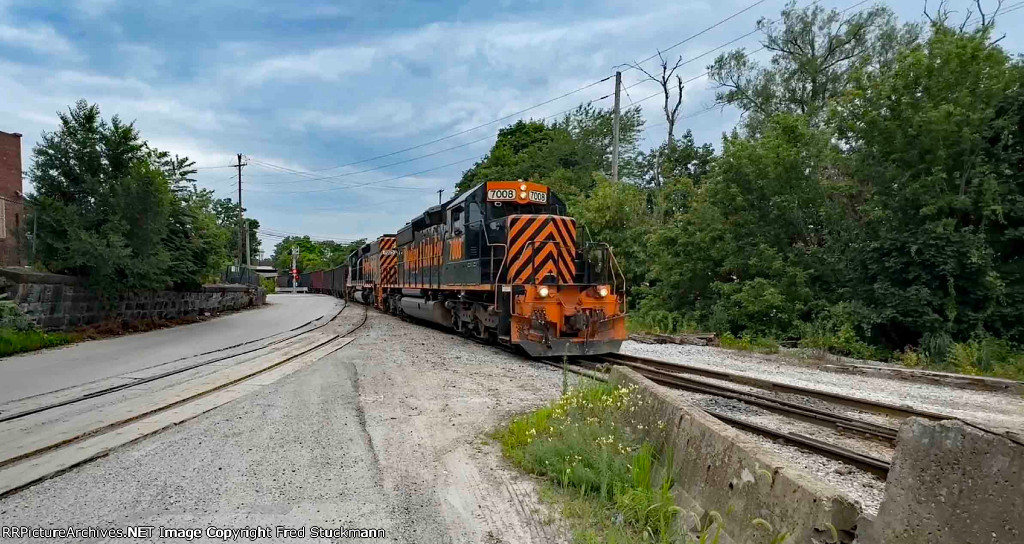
(501, 262)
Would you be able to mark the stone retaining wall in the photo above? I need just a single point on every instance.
(720, 470)
(56, 302)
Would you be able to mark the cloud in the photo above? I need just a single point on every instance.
(39, 38)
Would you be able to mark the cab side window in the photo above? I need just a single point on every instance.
(455, 220)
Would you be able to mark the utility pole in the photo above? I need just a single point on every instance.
(439, 191)
(615, 130)
(295, 268)
(243, 232)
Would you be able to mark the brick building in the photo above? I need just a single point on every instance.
(11, 201)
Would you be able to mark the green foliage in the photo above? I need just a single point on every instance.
(616, 214)
(564, 155)
(227, 217)
(759, 344)
(18, 341)
(834, 330)
(871, 200)
(942, 224)
(313, 254)
(815, 52)
(588, 444)
(269, 285)
(112, 209)
(736, 264)
(986, 356)
(13, 319)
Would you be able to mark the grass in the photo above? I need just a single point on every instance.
(15, 341)
(985, 357)
(759, 344)
(611, 483)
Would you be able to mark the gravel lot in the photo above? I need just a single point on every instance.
(389, 432)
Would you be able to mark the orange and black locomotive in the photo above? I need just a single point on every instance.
(503, 262)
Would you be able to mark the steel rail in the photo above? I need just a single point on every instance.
(149, 379)
(861, 460)
(770, 385)
(864, 461)
(802, 411)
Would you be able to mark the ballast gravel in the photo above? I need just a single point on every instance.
(993, 409)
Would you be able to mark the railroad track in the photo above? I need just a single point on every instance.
(690, 378)
(4, 417)
(46, 440)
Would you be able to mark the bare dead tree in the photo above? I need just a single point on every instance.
(665, 79)
(942, 14)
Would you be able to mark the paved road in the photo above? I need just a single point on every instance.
(368, 437)
(42, 372)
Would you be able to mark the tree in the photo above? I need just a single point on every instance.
(112, 209)
(936, 145)
(683, 159)
(815, 52)
(664, 79)
(748, 254)
(313, 254)
(564, 155)
(227, 216)
(101, 206)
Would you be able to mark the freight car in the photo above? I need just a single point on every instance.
(503, 262)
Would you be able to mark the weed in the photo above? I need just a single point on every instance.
(612, 483)
(759, 344)
(982, 357)
(15, 341)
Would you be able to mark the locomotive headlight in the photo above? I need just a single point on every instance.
(602, 291)
(522, 187)
(543, 291)
(522, 194)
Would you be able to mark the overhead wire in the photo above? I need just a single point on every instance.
(535, 106)
(311, 176)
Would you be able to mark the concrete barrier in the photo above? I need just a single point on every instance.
(952, 483)
(719, 469)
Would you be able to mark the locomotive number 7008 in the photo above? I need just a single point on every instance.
(501, 194)
(510, 194)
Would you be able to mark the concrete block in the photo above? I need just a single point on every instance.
(721, 470)
(951, 483)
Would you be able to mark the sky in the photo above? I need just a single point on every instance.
(351, 115)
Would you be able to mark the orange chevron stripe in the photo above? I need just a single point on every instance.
(527, 235)
(521, 259)
(548, 268)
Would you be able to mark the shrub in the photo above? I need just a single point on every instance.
(750, 342)
(269, 285)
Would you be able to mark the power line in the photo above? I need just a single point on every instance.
(345, 174)
(473, 158)
(544, 103)
(310, 176)
(702, 32)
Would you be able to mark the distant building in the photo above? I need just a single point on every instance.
(11, 201)
(265, 271)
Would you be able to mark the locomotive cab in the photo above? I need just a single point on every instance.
(552, 294)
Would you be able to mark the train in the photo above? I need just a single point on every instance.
(503, 262)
